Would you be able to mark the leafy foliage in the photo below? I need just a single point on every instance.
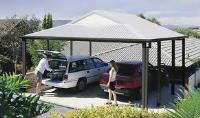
(188, 32)
(13, 104)
(153, 20)
(47, 21)
(11, 31)
(5, 59)
(34, 45)
(188, 107)
(13, 28)
(109, 112)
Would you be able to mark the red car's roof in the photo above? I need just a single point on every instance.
(130, 62)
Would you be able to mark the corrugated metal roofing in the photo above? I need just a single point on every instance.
(127, 51)
(119, 27)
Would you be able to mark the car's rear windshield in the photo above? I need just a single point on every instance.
(58, 64)
(126, 70)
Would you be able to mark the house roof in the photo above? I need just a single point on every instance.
(126, 51)
(103, 26)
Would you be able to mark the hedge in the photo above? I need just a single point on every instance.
(110, 112)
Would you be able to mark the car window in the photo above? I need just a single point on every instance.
(58, 64)
(76, 66)
(88, 64)
(99, 63)
(126, 70)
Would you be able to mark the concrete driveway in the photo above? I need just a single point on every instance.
(92, 96)
(95, 96)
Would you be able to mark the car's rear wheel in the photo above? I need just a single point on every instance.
(81, 85)
(137, 94)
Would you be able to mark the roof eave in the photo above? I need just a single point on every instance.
(92, 39)
(103, 39)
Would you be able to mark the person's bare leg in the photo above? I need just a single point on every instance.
(38, 88)
(114, 97)
(110, 96)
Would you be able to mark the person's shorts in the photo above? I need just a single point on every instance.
(39, 76)
(112, 86)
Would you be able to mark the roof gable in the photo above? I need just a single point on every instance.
(98, 26)
(95, 20)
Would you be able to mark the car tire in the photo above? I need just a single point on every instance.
(81, 85)
(137, 95)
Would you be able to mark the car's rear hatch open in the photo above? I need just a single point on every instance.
(58, 63)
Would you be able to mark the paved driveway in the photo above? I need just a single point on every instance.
(94, 96)
(57, 109)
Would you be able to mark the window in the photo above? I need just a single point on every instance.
(57, 64)
(89, 64)
(126, 70)
(99, 63)
(76, 66)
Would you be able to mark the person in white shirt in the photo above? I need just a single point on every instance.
(39, 71)
(111, 82)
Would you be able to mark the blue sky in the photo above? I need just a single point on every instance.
(173, 12)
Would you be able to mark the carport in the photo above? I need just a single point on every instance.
(103, 26)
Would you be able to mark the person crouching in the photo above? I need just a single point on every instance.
(39, 71)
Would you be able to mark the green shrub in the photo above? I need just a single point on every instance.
(188, 32)
(14, 104)
(110, 112)
(188, 107)
(34, 45)
(4, 59)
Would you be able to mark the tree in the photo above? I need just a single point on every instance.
(47, 23)
(34, 45)
(10, 33)
(188, 32)
(153, 20)
(141, 16)
(44, 22)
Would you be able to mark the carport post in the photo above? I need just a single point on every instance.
(48, 47)
(24, 56)
(145, 58)
(173, 68)
(158, 73)
(183, 64)
(90, 48)
(71, 48)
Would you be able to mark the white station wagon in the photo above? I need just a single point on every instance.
(74, 71)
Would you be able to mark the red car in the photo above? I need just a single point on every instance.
(129, 79)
